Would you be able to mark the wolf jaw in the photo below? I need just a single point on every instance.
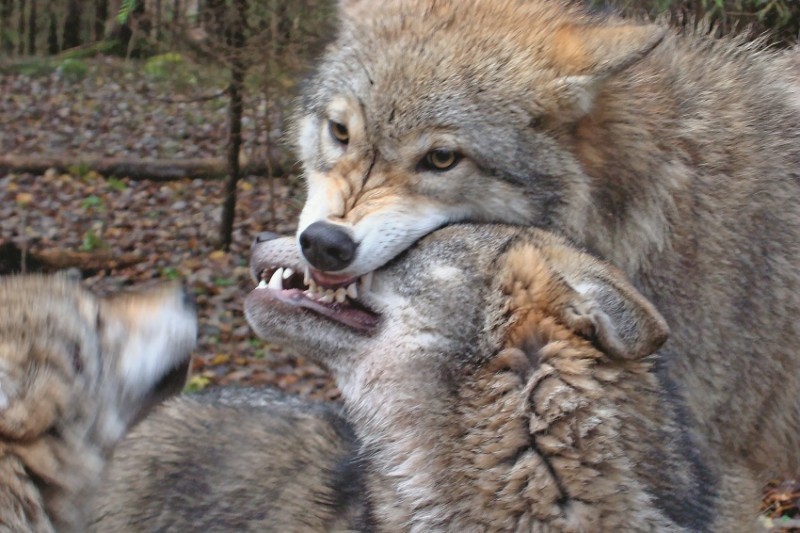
(338, 301)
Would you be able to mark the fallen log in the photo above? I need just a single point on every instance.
(86, 262)
(55, 260)
(139, 169)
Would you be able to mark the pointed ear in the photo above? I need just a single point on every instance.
(590, 55)
(590, 297)
(606, 309)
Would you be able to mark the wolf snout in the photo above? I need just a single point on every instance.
(327, 247)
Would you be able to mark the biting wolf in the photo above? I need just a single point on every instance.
(674, 156)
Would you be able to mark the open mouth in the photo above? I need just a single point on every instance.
(338, 301)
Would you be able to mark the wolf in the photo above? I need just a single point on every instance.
(75, 372)
(234, 459)
(494, 379)
(674, 156)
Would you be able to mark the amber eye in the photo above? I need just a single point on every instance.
(339, 132)
(440, 159)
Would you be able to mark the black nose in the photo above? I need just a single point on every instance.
(327, 246)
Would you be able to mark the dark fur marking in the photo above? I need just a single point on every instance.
(689, 509)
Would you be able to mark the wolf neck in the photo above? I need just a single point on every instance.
(466, 460)
(664, 138)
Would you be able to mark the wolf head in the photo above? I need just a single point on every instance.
(467, 358)
(77, 371)
(423, 113)
(460, 292)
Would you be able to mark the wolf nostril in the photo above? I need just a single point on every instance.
(327, 247)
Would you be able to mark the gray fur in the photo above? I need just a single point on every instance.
(673, 156)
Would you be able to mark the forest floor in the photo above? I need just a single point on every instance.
(118, 109)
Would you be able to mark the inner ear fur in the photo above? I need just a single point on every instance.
(588, 296)
(589, 55)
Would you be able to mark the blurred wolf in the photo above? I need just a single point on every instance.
(675, 157)
(75, 373)
(234, 459)
(495, 379)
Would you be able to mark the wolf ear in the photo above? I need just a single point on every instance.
(607, 310)
(591, 54)
(590, 297)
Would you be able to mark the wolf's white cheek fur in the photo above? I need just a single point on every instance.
(308, 137)
(145, 356)
(385, 234)
(324, 200)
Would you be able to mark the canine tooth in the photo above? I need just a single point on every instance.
(262, 284)
(352, 291)
(307, 277)
(366, 282)
(327, 297)
(276, 281)
(341, 295)
(287, 273)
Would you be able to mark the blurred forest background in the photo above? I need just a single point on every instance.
(144, 140)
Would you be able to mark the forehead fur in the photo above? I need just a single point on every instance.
(465, 52)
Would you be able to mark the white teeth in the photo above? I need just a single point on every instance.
(366, 282)
(276, 281)
(287, 273)
(307, 277)
(262, 284)
(312, 286)
(352, 291)
(327, 297)
(341, 295)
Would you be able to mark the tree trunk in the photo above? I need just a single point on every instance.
(238, 70)
(100, 17)
(72, 25)
(32, 29)
(6, 12)
(21, 29)
(52, 36)
(157, 28)
(175, 25)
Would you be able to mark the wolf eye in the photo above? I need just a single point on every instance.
(339, 132)
(440, 159)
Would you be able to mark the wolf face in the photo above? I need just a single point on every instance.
(416, 121)
(75, 373)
